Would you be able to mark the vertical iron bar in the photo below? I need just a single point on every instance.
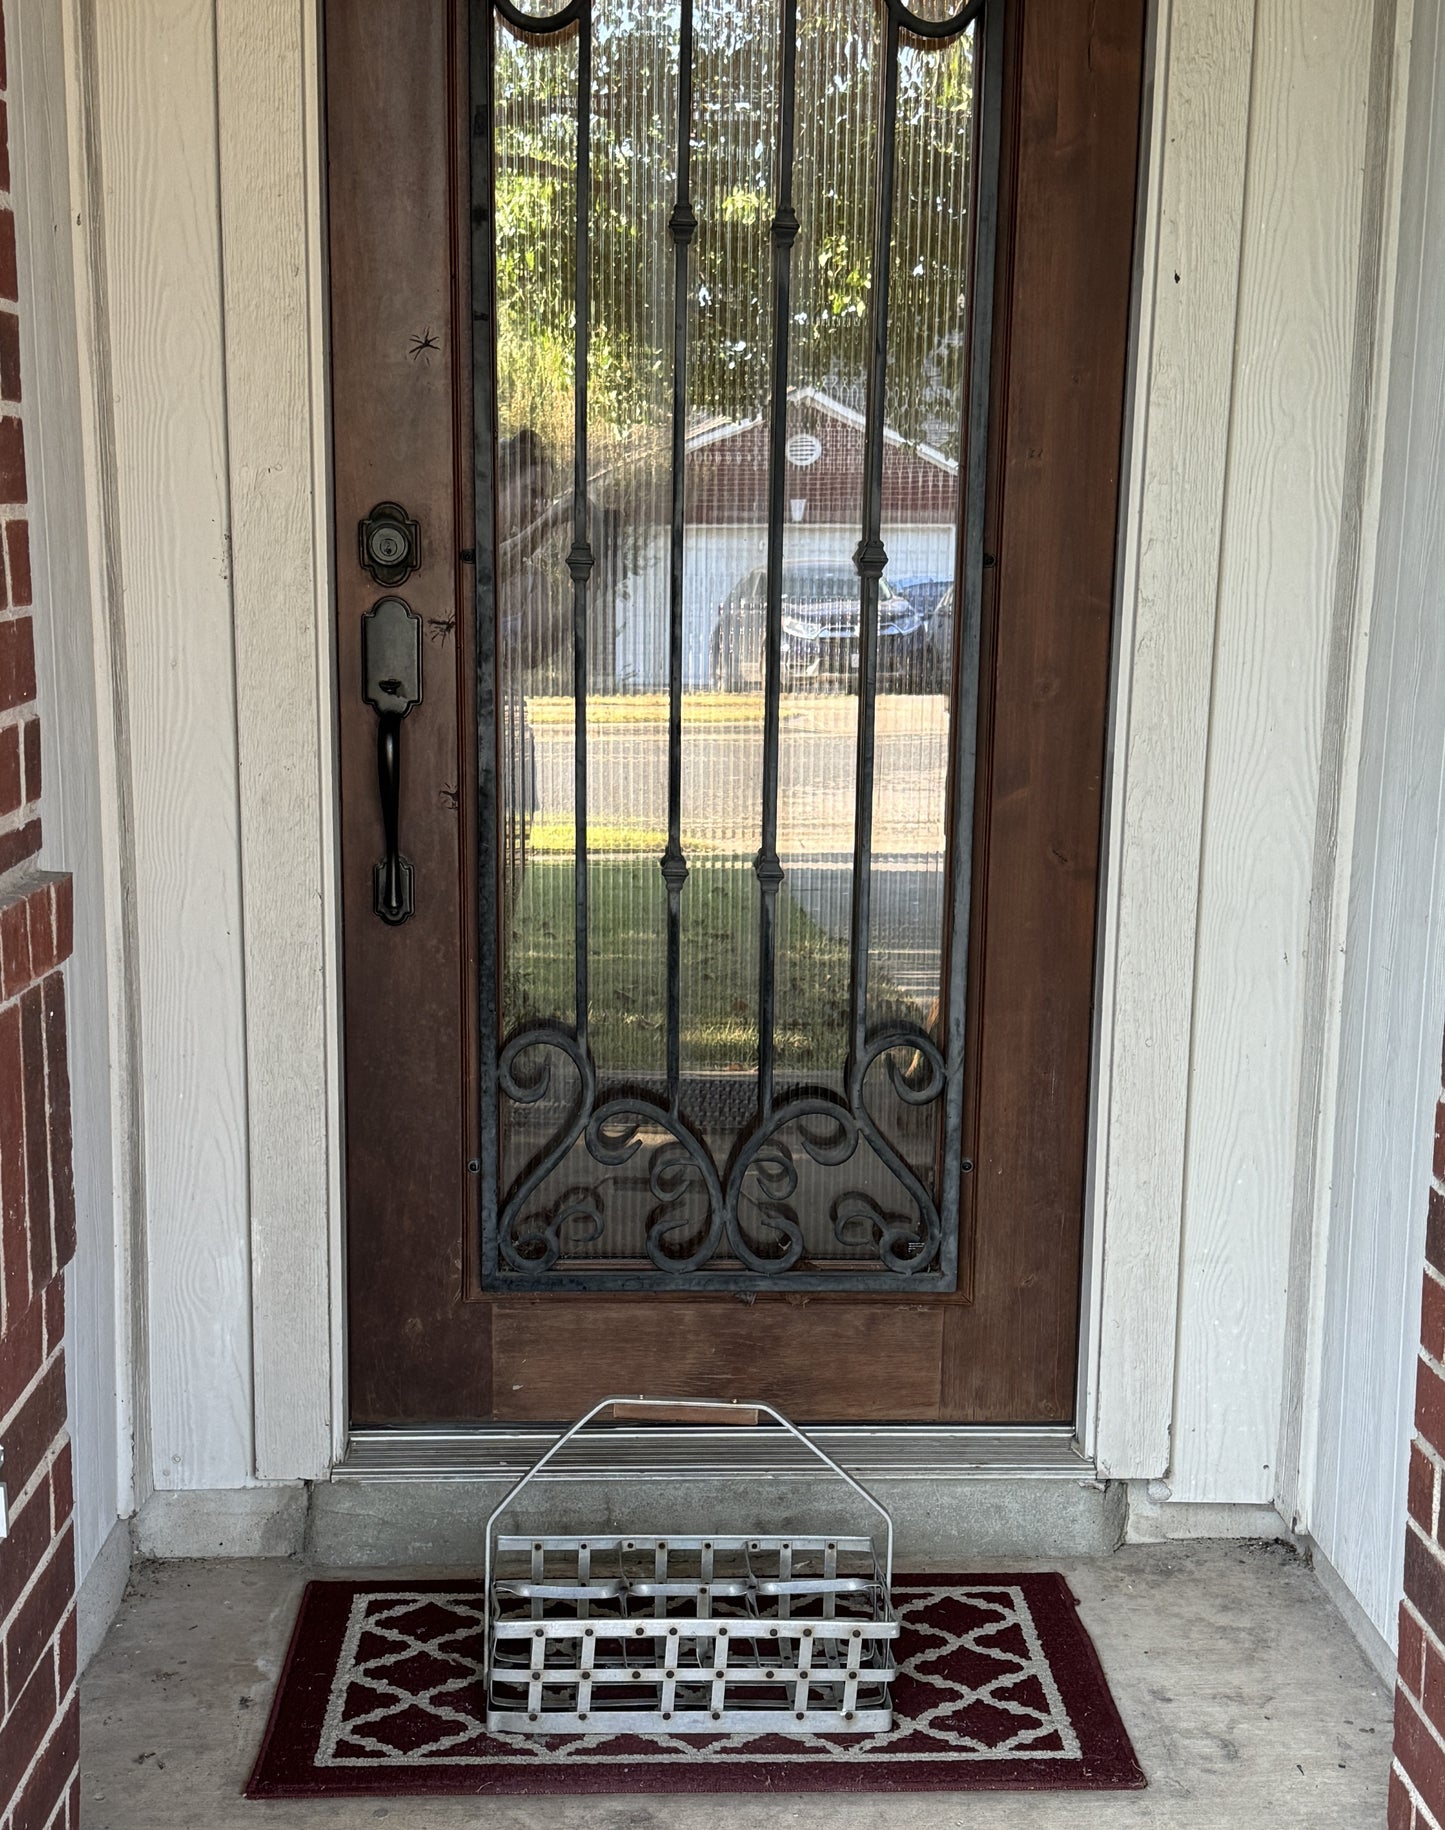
(767, 864)
(579, 559)
(682, 225)
(484, 444)
(968, 603)
(871, 556)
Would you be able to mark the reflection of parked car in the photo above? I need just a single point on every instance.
(922, 589)
(819, 635)
(940, 641)
(932, 597)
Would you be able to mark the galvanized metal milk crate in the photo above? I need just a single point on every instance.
(658, 1633)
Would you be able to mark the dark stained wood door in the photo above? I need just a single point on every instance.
(427, 1343)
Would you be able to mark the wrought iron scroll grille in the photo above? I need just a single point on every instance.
(806, 1131)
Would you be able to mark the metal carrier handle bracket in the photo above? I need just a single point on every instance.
(743, 1410)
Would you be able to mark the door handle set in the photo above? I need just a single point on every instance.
(389, 548)
(391, 686)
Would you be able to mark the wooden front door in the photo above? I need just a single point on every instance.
(626, 579)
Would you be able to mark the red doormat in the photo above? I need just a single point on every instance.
(998, 1686)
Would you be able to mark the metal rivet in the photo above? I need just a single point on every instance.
(799, 1714)
(537, 1632)
(531, 1715)
(848, 1715)
(536, 1675)
(852, 1674)
(636, 1675)
(581, 1715)
(590, 1632)
(672, 1629)
(671, 1674)
(717, 1715)
(536, 1547)
(807, 1632)
(857, 1632)
(767, 1674)
(722, 1632)
(667, 1715)
(718, 1674)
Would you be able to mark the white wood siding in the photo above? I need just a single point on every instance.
(1170, 553)
(153, 76)
(1289, 484)
(270, 165)
(1394, 972)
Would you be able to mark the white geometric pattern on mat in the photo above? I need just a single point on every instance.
(1042, 1734)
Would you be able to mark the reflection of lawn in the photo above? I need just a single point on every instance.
(628, 967)
(558, 838)
(555, 838)
(648, 708)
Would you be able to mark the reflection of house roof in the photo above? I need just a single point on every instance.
(714, 428)
(730, 462)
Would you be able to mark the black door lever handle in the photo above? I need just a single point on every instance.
(391, 685)
(393, 898)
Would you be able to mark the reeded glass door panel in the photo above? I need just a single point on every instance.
(731, 387)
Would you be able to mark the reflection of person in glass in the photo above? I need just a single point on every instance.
(526, 631)
(524, 497)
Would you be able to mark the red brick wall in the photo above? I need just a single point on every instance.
(39, 1789)
(1417, 1784)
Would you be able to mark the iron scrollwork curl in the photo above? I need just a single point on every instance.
(718, 1237)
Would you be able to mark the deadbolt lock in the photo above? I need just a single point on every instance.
(390, 543)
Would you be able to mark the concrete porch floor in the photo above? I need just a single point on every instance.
(1247, 1698)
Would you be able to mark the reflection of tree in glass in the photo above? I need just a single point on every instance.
(633, 126)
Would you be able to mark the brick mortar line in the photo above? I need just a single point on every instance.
(22, 1499)
(1429, 1820)
(46, 1559)
(46, 1739)
(21, 885)
(1430, 1543)
(1413, 1703)
(1426, 1629)
(44, 1367)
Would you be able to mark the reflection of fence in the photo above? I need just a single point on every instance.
(519, 790)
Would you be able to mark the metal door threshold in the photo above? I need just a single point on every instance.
(879, 1451)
